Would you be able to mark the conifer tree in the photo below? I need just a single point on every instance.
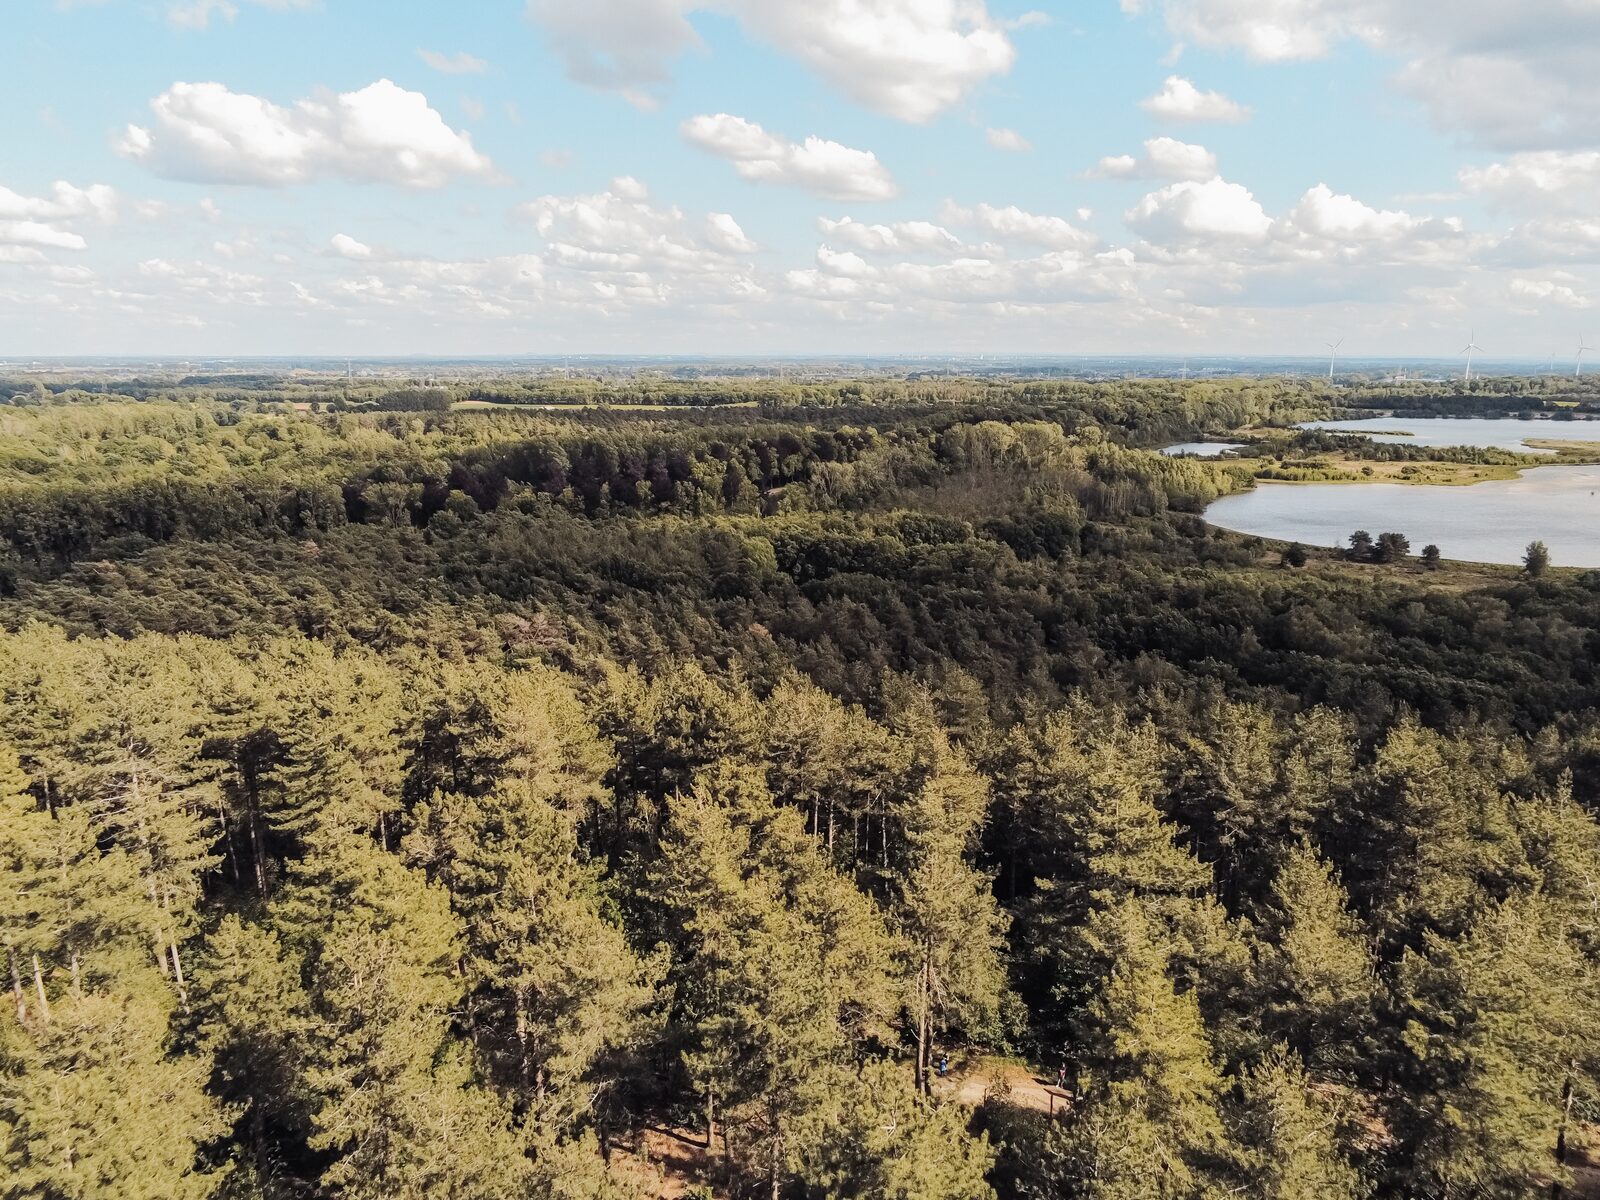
(1496, 1023)
(1150, 1125)
(778, 963)
(1444, 835)
(874, 1136)
(97, 1100)
(944, 906)
(1288, 1136)
(555, 987)
(1315, 975)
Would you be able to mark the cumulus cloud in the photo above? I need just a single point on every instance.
(30, 225)
(1546, 181)
(1010, 223)
(1192, 210)
(621, 239)
(909, 59)
(1180, 100)
(822, 167)
(346, 246)
(1323, 214)
(1008, 140)
(1163, 158)
(1512, 76)
(902, 237)
(724, 233)
(383, 133)
(1549, 291)
(460, 63)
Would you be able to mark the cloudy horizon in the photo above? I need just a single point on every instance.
(1222, 177)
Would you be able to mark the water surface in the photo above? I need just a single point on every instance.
(1502, 433)
(1486, 522)
(1200, 449)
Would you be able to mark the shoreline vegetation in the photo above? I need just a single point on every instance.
(784, 788)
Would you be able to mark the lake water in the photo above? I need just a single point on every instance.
(1500, 433)
(1484, 522)
(1200, 449)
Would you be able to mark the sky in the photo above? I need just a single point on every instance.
(366, 177)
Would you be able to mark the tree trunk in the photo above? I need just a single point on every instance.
(1561, 1134)
(177, 977)
(38, 984)
(776, 1171)
(922, 1027)
(16, 984)
(228, 840)
(252, 790)
(711, 1117)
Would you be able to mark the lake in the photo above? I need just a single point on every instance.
(1200, 449)
(1486, 522)
(1500, 433)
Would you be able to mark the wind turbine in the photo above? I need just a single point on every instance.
(1472, 344)
(1583, 348)
(1333, 356)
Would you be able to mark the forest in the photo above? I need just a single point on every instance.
(615, 788)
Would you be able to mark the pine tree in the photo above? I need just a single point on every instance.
(1444, 836)
(253, 1017)
(1289, 1136)
(555, 987)
(394, 1106)
(1315, 975)
(779, 964)
(832, 762)
(144, 781)
(944, 906)
(664, 731)
(1150, 1125)
(97, 1101)
(1495, 1023)
(874, 1136)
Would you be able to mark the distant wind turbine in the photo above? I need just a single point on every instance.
(1333, 355)
(1583, 348)
(1472, 345)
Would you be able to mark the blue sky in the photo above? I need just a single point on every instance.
(769, 176)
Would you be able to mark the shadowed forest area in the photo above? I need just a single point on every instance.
(722, 788)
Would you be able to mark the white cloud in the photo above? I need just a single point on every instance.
(617, 245)
(381, 134)
(1190, 211)
(459, 63)
(724, 233)
(1323, 214)
(197, 14)
(39, 235)
(30, 225)
(1513, 76)
(1548, 181)
(1548, 291)
(65, 202)
(1010, 223)
(909, 59)
(1180, 100)
(1164, 158)
(822, 167)
(1008, 140)
(902, 237)
(346, 246)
